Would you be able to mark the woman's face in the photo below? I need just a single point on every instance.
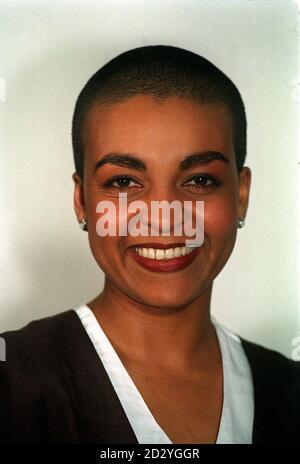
(162, 135)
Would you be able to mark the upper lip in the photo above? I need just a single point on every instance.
(162, 246)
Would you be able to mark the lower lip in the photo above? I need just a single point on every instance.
(165, 265)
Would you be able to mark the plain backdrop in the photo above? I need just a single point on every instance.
(48, 50)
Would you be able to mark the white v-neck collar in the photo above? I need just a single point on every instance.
(238, 405)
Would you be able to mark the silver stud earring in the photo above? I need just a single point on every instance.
(241, 223)
(83, 224)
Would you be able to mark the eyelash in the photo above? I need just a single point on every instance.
(215, 182)
(115, 179)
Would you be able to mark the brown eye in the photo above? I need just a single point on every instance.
(204, 182)
(121, 183)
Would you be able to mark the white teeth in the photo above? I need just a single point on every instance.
(145, 252)
(169, 253)
(151, 253)
(177, 252)
(158, 253)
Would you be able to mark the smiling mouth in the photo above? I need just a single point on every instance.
(165, 254)
(162, 258)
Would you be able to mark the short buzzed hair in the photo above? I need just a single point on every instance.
(159, 71)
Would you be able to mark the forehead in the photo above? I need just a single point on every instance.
(146, 125)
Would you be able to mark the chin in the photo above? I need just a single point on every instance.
(168, 298)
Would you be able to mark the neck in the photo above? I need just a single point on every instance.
(175, 339)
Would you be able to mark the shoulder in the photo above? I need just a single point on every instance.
(276, 385)
(37, 326)
(34, 378)
(259, 357)
(269, 361)
(36, 351)
(276, 390)
(36, 339)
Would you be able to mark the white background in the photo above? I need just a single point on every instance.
(48, 51)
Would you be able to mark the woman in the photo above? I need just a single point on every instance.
(144, 362)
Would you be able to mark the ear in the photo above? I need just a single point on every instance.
(79, 204)
(244, 191)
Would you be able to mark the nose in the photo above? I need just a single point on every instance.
(164, 216)
(166, 213)
(175, 216)
(163, 213)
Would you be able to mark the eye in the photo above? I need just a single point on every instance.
(203, 182)
(121, 183)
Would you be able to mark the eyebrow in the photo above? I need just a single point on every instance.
(202, 158)
(128, 160)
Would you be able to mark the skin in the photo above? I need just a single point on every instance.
(159, 323)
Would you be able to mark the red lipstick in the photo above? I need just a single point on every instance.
(162, 246)
(163, 265)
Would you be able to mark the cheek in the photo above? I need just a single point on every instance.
(105, 252)
(220, 218)
(106, 249)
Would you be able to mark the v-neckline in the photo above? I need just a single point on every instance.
(144, 425)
